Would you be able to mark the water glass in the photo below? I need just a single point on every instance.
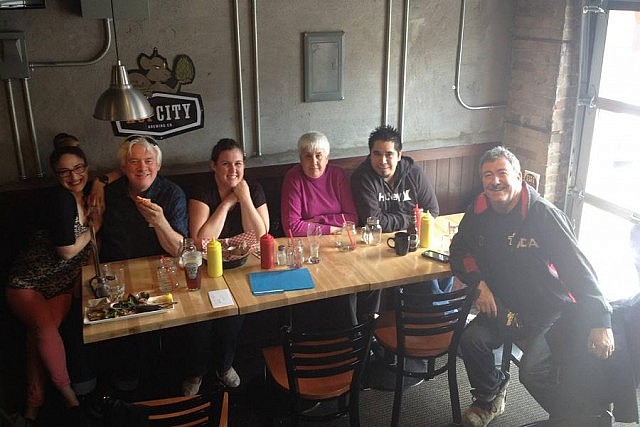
(114, 284)
(314, 252)
(314, 231)
(295, 256)
(348, 236)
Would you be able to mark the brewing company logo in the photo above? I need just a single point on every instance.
(175, 112)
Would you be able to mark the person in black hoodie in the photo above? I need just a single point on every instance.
(521, 253)
(388, 185)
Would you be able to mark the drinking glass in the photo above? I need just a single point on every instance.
(348, 236)
(314, 231)
(114, 284)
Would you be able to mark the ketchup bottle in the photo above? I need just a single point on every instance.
(267, 246)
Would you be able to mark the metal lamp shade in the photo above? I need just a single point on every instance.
(122, 101)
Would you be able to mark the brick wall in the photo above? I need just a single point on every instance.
(541, 105)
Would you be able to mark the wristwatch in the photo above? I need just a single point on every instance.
(103, 179)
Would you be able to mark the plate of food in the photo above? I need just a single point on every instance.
(102, 310)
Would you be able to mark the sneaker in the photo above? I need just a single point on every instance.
(230, 378)
(481, 412)
(190, 388)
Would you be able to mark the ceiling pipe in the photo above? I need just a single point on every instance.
(101, 54)
(387, 61)
(29, 107)
(456, 85)
(239, 74)
(15, 129)
(403, 66)
(256, 84)
(32, 127)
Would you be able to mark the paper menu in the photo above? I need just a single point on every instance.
(221, 298)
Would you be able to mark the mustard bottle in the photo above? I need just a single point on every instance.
(214, 258)
(427, 230)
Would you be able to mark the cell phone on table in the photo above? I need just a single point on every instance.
(438, 256)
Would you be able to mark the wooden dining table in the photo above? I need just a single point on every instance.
(140, 275)
(365, 268)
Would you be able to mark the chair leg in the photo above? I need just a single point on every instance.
(354, 409)
(452, 376)
(397, 395)
(507, 348)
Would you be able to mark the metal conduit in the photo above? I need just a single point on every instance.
(15, 129)
(405, 50)
(239, 74)
(256, 84)
(456, 85)
(29, 106)
(97, 58)
(32, 127)
(387, 61)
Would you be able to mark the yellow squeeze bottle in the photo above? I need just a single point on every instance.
(427, 230)
(214, 258)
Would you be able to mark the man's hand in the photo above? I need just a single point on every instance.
(485, 303)
(96, 197)
(601, 342)
(151, 212)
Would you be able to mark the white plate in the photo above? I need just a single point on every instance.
(100, 301)
(129, 316)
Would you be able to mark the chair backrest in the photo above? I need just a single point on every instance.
(198, 410)
(334, 357)
(435, 315)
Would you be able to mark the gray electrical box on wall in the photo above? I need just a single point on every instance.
(122, 9)
(13, 56)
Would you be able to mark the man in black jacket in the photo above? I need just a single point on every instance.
(521, 252)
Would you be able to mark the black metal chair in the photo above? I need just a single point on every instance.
(427, 327)
(319, 367)
(199, 410)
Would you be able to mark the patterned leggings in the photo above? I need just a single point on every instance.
(45, 348)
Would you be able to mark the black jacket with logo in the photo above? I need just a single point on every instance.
(529, 258)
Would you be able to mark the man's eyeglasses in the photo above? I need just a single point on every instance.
(77, 169)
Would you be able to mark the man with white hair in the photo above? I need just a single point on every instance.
(146, 214)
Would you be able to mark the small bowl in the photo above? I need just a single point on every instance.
(235, 262)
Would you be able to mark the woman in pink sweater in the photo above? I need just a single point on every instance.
(315, 191)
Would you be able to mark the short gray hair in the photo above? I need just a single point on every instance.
(147, 142)
(499, 152)
(313, 141)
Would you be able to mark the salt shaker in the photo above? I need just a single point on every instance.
(282, 255)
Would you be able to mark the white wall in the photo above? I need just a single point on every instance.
(63, 98)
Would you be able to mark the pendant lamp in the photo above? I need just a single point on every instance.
(121, 101)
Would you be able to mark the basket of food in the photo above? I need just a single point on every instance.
(236, 249)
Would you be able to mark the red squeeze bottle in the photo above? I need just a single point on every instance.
(267, 246)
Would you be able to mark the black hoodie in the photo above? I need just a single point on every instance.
(392, 206)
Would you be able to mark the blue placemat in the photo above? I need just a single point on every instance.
(274, 282)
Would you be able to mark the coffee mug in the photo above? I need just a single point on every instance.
(400, 242)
